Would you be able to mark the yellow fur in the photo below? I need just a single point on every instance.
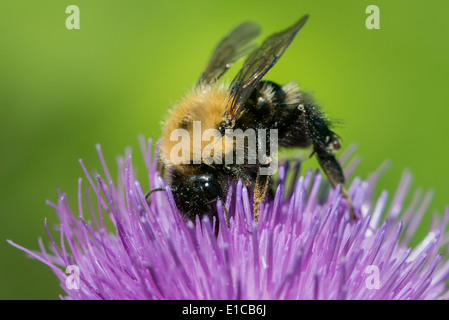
(206, 103)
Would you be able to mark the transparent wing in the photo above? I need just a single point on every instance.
(237, 44)
(257, 65)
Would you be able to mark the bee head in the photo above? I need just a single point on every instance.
(197, 194)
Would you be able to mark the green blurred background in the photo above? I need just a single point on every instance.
(62, 91)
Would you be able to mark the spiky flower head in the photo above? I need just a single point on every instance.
(304, 246)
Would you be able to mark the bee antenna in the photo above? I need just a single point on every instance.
(148, 194)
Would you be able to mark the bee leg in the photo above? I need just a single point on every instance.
(260, 192)
(334, 173)
(225, 211)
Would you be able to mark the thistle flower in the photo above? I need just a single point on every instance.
(303, 247)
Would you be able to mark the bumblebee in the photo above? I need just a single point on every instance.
(248, 102)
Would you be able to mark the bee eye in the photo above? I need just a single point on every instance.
(211, 189)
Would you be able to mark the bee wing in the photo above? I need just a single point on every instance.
(237, 44)
(257, 65)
